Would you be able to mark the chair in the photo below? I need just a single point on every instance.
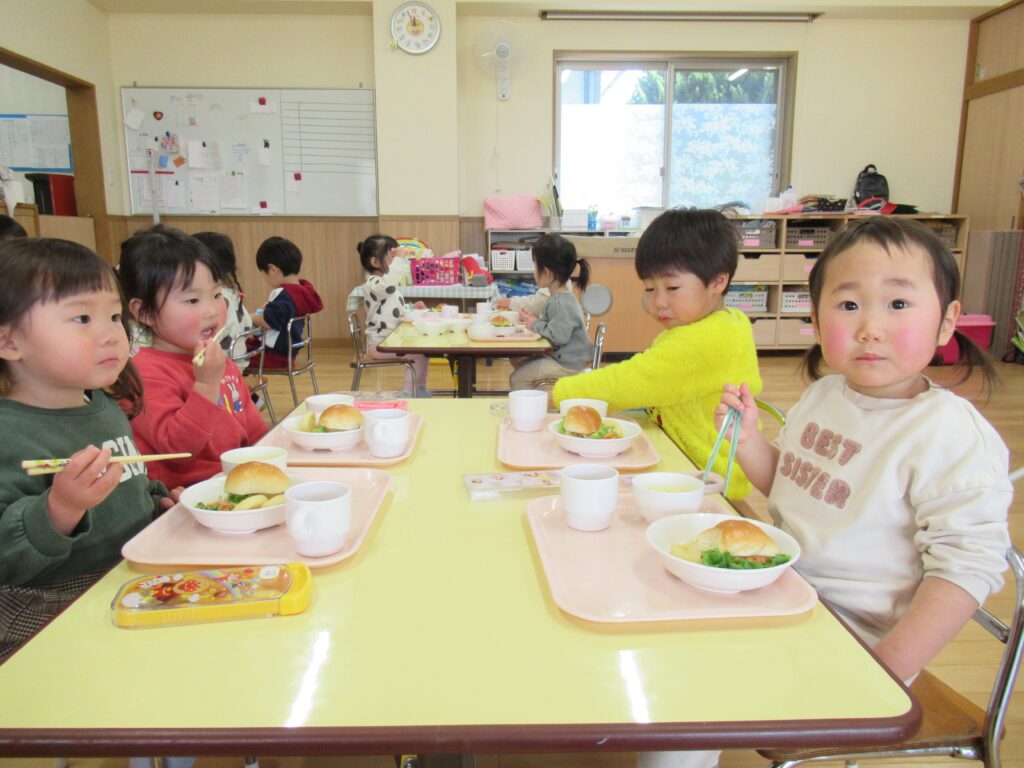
(595, 361)
(355, 329)
(952, 726)
(771, 409)
(300, 357)
(243, 360)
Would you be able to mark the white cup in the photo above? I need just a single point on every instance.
(318, 514)
(387, 432)
(483, 308)
(320, 403)
(527, 409)
(659, 494)
(590, 493)
(449, 310)
(267, 454)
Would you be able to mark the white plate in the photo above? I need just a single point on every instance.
(229, 521)
(682, 528)
(598, 449)
(322, 441)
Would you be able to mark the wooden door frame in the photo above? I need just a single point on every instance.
(975, 90)
(84, 126)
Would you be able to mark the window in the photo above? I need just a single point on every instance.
(621, 142)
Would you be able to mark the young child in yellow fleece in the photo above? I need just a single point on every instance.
(686, 259)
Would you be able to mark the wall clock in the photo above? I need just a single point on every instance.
(415, 27)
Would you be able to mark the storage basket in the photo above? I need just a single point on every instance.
(796, 302)
(748, 298)
(503, 259)
(945, 231)
(442, 270)
(574, 218)
(524, 260)
(757, 234)
(807, 237)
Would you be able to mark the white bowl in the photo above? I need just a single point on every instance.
(481, 331)
(601, 406)
(267, 454)
(320, 403)
(229, 521)
(598, 449)
(416, 314)
(322, 441)
(430, 326)
(680, 529)
(459, 324)
(660, 494)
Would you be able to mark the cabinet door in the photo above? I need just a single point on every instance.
(630, 328)
(993, 161)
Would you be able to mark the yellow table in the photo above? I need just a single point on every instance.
(440, 636)
(406, 340)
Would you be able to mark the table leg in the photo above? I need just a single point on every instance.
(467, 375)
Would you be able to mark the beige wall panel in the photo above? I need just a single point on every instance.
(1001, 43)
(440, 233)
(77, 229)
(993, 160)
(473, 236)
(329, 258)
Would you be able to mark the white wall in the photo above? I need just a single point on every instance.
(22, 94)
(867, 91)
(70, 36)
(883, 91)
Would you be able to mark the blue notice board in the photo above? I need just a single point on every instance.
(36, 143)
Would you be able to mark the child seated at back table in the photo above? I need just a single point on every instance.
(239, 323)
(385, 307)
(686, 259)
(896, 489)
(172, 284)
(560, 320)
(290, 296)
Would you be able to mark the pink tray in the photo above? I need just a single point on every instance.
(359, 456)
(540, 450)
(175, 538)
(615, 576)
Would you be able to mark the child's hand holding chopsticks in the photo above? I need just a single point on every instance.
(86, 480)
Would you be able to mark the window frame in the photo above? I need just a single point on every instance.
(786, 64)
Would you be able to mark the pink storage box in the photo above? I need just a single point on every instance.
(978, 328)
(512, 212)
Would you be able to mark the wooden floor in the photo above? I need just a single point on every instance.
(968, 664)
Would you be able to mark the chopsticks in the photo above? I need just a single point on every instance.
(200, 356)
(733, 420)
(53, 466)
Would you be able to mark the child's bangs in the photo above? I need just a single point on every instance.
(61, 269)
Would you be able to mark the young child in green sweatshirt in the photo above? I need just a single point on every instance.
(63, 368)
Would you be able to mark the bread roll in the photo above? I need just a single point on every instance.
(339, 418)
(739, 538)
(256, 477)
(581, 420)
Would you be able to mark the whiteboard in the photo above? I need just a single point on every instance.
(244, 151)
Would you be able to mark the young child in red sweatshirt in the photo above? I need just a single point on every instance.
(173, 287)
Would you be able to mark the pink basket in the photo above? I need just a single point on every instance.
(442, 270)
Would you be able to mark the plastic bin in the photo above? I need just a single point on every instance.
(442, 270)
(503, 259)
(978, 328)
(749, 298)
(807, 237)
(757, 234)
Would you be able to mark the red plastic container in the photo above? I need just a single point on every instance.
(978, 328)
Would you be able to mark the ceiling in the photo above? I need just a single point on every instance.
(913, 9)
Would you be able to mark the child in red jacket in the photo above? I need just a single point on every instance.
(201, 406)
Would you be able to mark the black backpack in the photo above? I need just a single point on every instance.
(870, 183)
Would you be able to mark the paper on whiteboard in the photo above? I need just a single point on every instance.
(204, 191)
(267, 108)
(174, 192)
(203, 154)
(133, 118)
(293, 182)
(264, 154)
(232, 190)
